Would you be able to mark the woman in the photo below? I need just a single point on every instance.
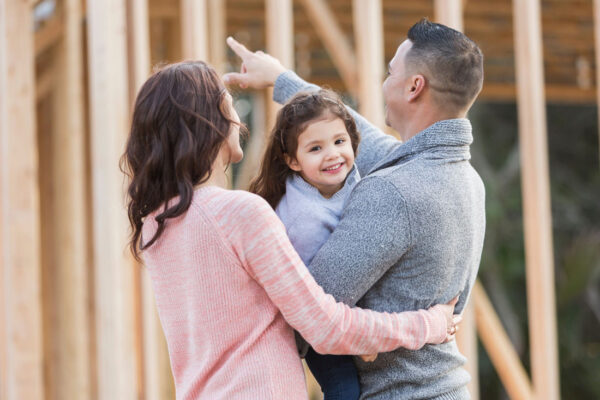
(229, 286)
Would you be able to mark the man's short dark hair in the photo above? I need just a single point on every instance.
(451, 62)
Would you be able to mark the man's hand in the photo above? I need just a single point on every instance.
(259, 70)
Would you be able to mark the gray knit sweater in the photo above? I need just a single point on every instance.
(411, 236)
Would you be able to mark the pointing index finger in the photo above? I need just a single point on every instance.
(238, 48)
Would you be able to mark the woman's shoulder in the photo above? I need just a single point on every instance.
(226, 201)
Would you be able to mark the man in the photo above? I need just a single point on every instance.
(412, 232)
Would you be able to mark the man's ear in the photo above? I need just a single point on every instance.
(292, 163)
(417, 86)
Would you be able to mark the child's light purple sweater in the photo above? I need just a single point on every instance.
(309, 218)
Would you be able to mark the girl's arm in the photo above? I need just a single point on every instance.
(374, 146)
(262, 246)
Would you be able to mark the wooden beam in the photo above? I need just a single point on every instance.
(536, 199)
(217, 24)
(153, 343)
(21, 353)
(499, 348)
(194, 30)
(280, 43)
(368, 36)
(256, 144)
(466, 340)
(69, 210)
(114, 272)
(48, 35)
(334, 40)
(597, 42)
(449, 13)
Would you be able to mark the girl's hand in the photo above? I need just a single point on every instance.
(369, 357)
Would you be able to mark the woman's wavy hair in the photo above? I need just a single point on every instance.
(293, 118)
(180, 120)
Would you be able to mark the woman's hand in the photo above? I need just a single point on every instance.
(259, 70)
(452, 320)
(369, 357)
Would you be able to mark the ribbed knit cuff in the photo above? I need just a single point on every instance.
(436, 324)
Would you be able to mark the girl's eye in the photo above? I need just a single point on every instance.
(339, 141)
(315, 148)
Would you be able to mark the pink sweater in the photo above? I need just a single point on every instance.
(228, 285)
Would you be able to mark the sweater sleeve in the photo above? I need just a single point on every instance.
(372, 235)
(374, 145)
(264, 250)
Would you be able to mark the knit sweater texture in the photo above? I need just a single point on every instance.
(229, 287)
(411, 236)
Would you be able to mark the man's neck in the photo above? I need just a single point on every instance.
(421, 121)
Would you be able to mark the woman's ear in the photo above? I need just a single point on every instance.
(292, 163)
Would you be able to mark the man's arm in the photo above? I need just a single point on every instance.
(260, 70)
(372, 236)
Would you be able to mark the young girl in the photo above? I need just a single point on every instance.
(306, 175)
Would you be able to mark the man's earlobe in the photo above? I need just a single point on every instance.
(417, 87)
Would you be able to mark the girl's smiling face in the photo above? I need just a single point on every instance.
(324, 156)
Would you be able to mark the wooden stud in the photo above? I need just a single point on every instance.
(69, 210)
(117, 371)
(368, 35)
(449, 13)
(256, 144)
(536, 199)
(150, 332)
(597, 42)
(21, 353)
(193, 29)
(280, 43)
(498, 346)
(334, 40)
(49, 35)
(217, 24)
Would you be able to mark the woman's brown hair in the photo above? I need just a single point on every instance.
(180, 120)
(293, 118)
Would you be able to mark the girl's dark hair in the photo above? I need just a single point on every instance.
(180, 120)
(293, 118)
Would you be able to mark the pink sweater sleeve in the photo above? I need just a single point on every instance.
(260, 241)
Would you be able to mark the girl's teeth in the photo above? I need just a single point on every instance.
(334, 167)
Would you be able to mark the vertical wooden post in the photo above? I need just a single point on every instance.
(114, 272)
(20, 314)
(280, 43)
(368, 36)
(69, 213)
(450, 13)
(597, 39)
(217, 23)
(536, 199)
(153, 342)
(194, 30)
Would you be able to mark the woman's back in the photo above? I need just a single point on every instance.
(226, 338)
